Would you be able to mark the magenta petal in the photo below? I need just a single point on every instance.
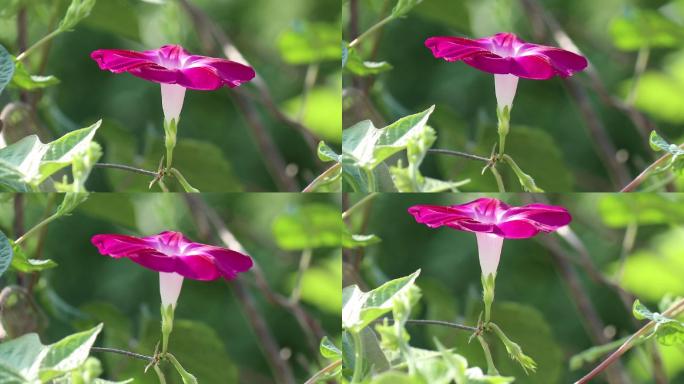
(119, 245)
(171, 64)
(546, 218)
(487, 215)
(199, 78)
(454, 48)
(505, 53)
(532, 67)
(228, 262)
(155, 73)
(436, 216)
(564, 62)
(231, 73)
(197, 267)
(172, 252)
(517, 229)
(119, 60)
(155, 260)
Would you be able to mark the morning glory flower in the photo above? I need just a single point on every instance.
(492, 221)
(508, 58)
(176, 70)
(175, 258)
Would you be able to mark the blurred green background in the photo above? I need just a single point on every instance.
(216, 149)
(549, 138)
(212, 336)
(533, 304)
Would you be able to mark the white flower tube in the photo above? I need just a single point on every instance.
(170, 285)
(172, 96)
(505, 87)
(489, 250)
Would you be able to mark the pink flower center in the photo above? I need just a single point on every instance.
(170, 245)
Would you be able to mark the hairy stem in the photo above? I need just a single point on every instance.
(126, 168)
(458, 154)
(123, 352)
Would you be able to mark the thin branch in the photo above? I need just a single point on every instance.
(365, 200)
(674, 310)
(602, 141)
(582, 300)
(209, 32)
(123, 352)
(442, 323)
(323, 177)
(647, 172)
(282, 371)
(371, 30)
(458, 154)
(310, 326)
(323, 372)
(127, 168)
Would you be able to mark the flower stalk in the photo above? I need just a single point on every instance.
(488, 284)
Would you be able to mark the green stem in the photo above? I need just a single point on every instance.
(183, 182)
(160, 374)
(39, 43)
(359, 204)
(170, 137)
(358, 357)
(526, 181)
(499, 180)
(488, 284)
(504, 117)
(36, 228)
(187, 377)
(371, 30)
(304, 263)
(166, 326)
(491, 369)
(370, 178)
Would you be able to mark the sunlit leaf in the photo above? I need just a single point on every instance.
(309, 226)
(6, 253)
(26, 360)
(621, 211)
(667, 331)
(356, 65)
(645, 28)
(23, 263)
(361, 308)
(321, 285)
(323, 103)
(325, 153)
(28, 162)
(24, 80)
(350, 240)
(329, 350)
(6, 68)
(367, 146)
(307, 43)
